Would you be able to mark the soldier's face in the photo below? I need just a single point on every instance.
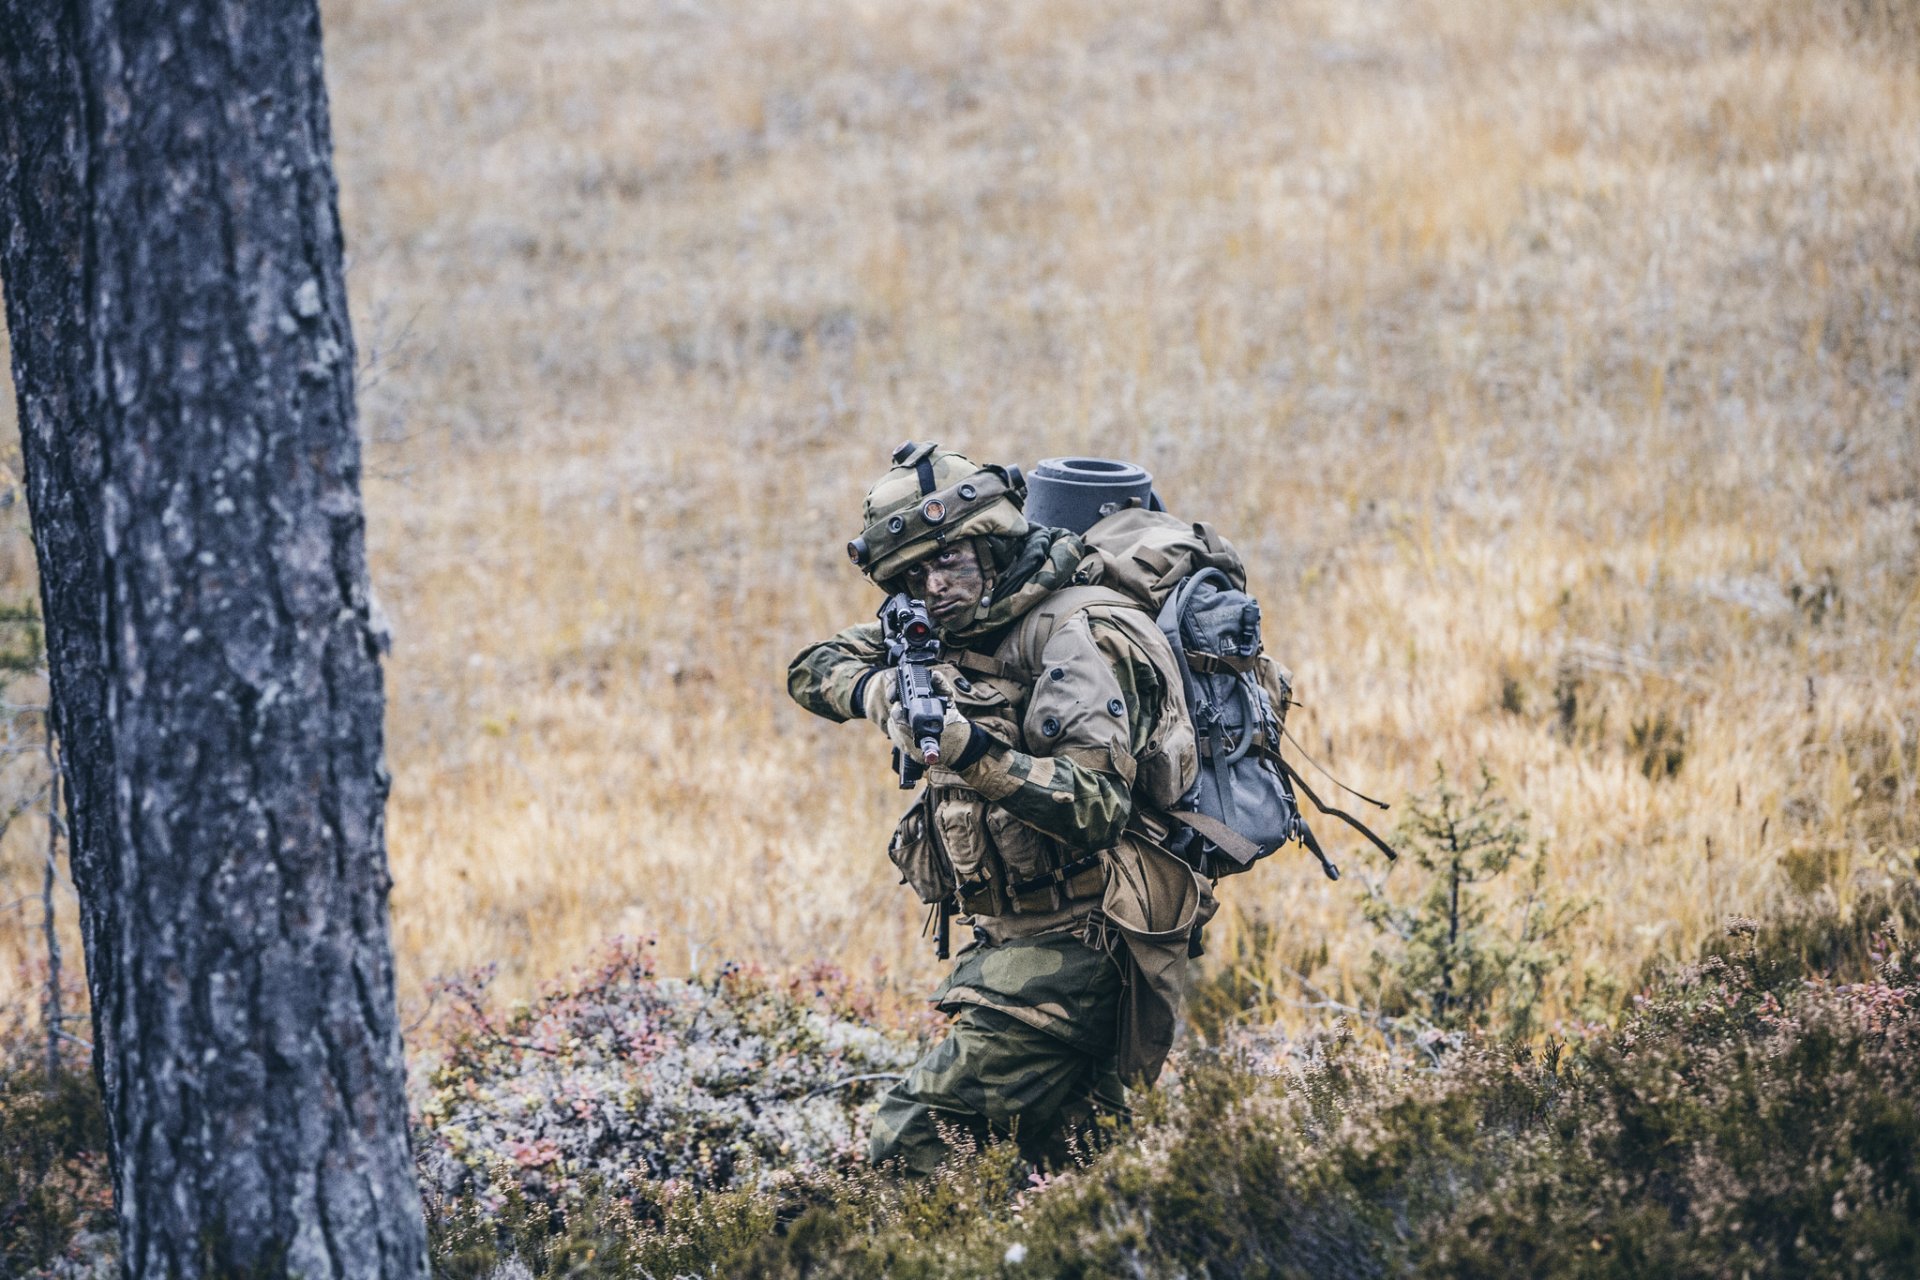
(950, 582)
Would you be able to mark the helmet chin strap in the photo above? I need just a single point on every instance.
(989, 572)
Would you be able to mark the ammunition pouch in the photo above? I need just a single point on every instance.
(996, 896)
(920, 863)
(1085, 878)
(995, 864)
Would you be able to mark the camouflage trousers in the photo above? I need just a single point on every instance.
(998, 1074)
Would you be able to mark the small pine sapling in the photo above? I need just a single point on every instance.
(1456, 963)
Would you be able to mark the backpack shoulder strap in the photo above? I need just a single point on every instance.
(1019, 654)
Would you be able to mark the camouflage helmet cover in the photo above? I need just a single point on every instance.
(932, 497)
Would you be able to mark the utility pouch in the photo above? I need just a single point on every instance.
(920, 863)
(985, 898)
(1024, 852)
(1155, 904)
(1278, 683)
(960, 829)
(1168, 768)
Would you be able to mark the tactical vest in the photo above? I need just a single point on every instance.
(956, 842)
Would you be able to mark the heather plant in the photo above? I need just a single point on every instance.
(1748, 1118)
(1817, 937)
(1452, 961)
(619, 1083)
(832, 1222)
(56, 1201)
(1754, 1113)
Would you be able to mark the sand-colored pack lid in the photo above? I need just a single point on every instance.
(1146, 554)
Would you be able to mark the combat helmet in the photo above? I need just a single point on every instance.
(930, 498)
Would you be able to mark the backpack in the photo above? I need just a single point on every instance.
(1242, 805)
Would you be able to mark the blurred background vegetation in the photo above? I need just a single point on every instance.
(1553, 361)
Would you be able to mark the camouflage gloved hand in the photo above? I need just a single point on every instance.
(956, 733)
(880, 700)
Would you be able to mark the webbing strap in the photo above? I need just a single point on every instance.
(1204, 742)
(1219, 757)
(1294, 775)
(1059, 875)
(1312, 842)
(1358, 795)
(1219, 663)
(1231, 842)
(981, 663)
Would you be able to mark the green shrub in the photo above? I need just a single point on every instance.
(54, 1181)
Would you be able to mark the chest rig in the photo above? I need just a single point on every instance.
(958, 845)
(999, 865)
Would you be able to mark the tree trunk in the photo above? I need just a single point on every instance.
(42, 171)
(184, 368)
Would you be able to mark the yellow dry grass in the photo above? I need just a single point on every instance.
(1553, 361)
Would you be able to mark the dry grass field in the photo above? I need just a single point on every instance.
(1556, 363)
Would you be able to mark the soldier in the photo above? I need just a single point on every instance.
(1066, 731)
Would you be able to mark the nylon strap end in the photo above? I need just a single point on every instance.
(1312, 842)
(1294, 775)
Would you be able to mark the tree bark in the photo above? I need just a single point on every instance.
(184, 366)
(42, 168)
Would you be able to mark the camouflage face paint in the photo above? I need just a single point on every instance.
(951, 582)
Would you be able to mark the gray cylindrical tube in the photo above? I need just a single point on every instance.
(1075, 493)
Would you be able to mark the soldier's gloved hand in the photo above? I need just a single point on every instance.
(880, 700)
(956, 732)
(901, 733)
(955, 735)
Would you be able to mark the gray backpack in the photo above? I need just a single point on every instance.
(1242, 805)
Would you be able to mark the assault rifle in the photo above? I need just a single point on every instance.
(912, 649)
